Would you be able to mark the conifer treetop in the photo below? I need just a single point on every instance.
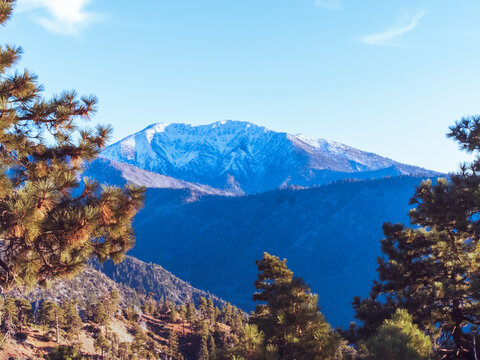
(52, 220)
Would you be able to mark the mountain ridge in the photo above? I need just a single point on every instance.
(237, 156)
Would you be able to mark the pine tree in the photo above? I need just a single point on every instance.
(174, 315)
(251, 342)
(398, 338)
(432, 269)
(131, 314)
(202, 328)
(111, 302)
(24, 311)
(51, 220)
(51, 316)
(141, 346)
(202, 307)
(102, 344)
(114, 344)
(212, 348)
(9, 317)
(204, 354)
(72, 320)
(210, 311)
(64, 352)
(227, 313)
(190, 312)
(289, 315)
(100, 315)
(182, 312)
(173, 348)
(238, 319)
(124, 351)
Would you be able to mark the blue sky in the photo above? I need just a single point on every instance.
(384, 76)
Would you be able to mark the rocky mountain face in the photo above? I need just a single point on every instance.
(242, 157)
(118, 173)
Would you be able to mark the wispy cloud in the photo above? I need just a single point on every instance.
(65, 17)
(329, 4)
(404, 25)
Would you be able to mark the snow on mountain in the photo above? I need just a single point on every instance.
(235, 155)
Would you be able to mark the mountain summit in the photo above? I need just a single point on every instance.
(244, 157)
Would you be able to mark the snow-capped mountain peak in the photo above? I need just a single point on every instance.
(250, 156)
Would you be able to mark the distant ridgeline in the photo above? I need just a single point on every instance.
(220, 195)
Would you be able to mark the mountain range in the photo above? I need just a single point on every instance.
(220, 195)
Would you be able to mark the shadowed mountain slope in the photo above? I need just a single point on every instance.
(330, 236)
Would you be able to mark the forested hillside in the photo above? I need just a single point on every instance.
(133, 279)
(151, 279)
(329, 234)
(106, 323)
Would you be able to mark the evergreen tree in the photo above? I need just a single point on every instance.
(398, 339)
(289, 315)
(141, 346)
(51, 220)
(124, 351)
(251, 342)
(212, 348)
(72, 321)
(146, 309)
(51, 316)
(432, 270)
(64, 352)
(227, 313)
(24, 311)
(111, 302)
(131, 314)
(102, 344)
(114, 344)
(202, 307)
(100, 316)
(238, 319)
(9, 317)
(210, 311)
(182, 312)
(190, 312)
(202, 328)
(173, 352)
(204, 354)
(174, 315)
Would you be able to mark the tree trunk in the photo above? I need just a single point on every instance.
(464, 346)
(475, 346)
(56, 320)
